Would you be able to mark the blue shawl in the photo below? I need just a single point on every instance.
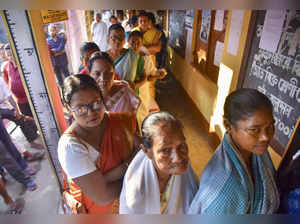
(226, 187)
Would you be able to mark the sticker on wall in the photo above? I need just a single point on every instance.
(219, 20)
(235, 31)
(205, 25)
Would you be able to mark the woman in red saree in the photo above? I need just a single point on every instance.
(95, 150)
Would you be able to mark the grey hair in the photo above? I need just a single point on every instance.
(154, 119)
(51, 25)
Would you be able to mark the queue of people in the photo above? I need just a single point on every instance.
(14, 107)
(121, 154)
(120, 158)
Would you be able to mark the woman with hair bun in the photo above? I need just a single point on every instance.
(239, 178)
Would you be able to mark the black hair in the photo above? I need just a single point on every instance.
(116, 27)
(133, 20)
(151, 17)
(99, 55)
(153, 119)
(135, 34)
(120, 12)
(113, 17)
(143, 13)
(74, 83)
(87, 46)
(242, 103)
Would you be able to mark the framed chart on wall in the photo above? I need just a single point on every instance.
(273, 68)
(177, 32)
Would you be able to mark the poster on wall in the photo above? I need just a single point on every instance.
(235, 31)
(272, 30)
(205, 25)
(218, 53)
(219, 20)
(189, 19)
(52, 16)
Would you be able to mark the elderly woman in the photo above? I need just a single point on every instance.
(118, 96)
(239, 178)
(159, 179)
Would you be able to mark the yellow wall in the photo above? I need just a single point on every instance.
(201, 90)
(205, 93)
(209, 97)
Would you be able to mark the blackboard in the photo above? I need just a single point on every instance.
(176, 30)
(277, 75)
(291, 149)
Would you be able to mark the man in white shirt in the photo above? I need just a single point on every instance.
(106, 14)
(24, 122)
(99, 32)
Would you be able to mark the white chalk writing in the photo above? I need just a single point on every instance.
(280, 106)
(277, 59)
(257, 71)
(287, 87)
(291, 87)
(282, 127)
(296, 68)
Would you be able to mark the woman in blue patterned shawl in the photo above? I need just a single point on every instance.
(239, 178)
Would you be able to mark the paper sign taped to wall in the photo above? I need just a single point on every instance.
(218, 53)
(272, 30)
(219, 20)
(235, 31)
(53, 16)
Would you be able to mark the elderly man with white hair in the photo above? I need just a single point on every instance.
(159, 180)
(99, 32)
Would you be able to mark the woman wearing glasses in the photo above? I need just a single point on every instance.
(118, 96)
(239, 178)
(95, 150)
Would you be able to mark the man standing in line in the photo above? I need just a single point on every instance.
(56, 45)
(99, 32)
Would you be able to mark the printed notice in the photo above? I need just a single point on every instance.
(53, 16)
(219, 19)
(218, 53)
(235, 31)
(188, 46)
(272, 30)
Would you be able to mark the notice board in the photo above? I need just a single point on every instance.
(53, 16)
(277, 74)
(177, 32)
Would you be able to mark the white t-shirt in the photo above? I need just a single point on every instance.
(75, 158)
(99, 33)
(4, 91)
